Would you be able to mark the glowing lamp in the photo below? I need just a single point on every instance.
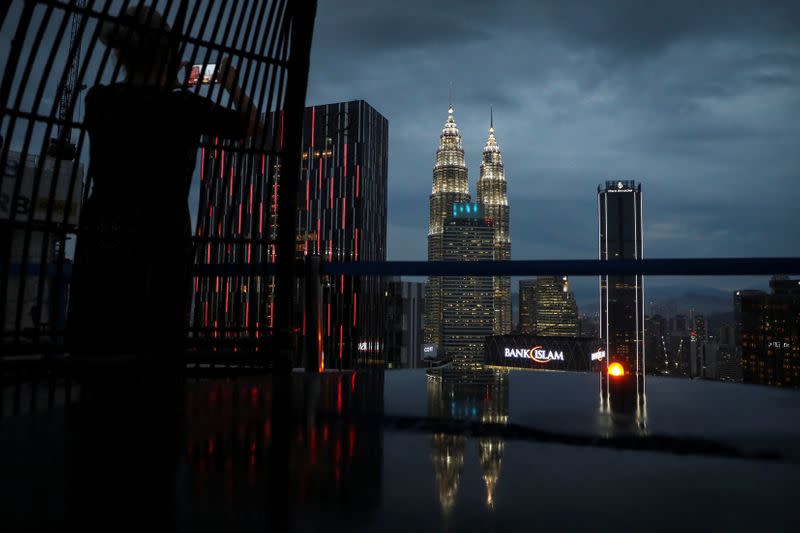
(616, 370)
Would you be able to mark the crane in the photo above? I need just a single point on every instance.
(61, 145)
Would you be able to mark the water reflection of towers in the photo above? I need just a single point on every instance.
(463, 400)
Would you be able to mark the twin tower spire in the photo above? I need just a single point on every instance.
(451, 185)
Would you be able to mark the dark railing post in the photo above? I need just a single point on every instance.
(302, 25)
(313, 302)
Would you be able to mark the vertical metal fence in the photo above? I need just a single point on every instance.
(52, 53)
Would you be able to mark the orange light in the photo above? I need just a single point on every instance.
(616, 370)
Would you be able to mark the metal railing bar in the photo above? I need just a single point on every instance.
(737, 266)
(198, 41)
(733, 266)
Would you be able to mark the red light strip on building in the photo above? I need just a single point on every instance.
(345, 159)
(308, 190)
(260, 217)
(344, 211)
(319, 235)
(271, 313)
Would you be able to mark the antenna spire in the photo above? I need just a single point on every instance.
(450, 96)
(491, 117)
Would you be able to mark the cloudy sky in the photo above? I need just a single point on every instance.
(697, 100)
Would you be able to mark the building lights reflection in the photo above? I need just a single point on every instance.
(481, 397)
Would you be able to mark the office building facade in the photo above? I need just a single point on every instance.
(768, 333)
(450, 186)
(45, 192)
(404, 306)
(621, 296)
(467, 301)
(547, 307)
(341, 216)
(492, 193)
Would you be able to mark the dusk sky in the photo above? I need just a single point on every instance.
(697, 100)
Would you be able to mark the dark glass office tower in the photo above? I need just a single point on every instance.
(467, 302)
(621, 297)
(341, 216)
(768, 333)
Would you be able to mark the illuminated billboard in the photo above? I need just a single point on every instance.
(531, 352)
(429, 351)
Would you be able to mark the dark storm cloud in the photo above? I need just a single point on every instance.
(695, 99)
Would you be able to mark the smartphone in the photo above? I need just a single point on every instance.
(198, 75)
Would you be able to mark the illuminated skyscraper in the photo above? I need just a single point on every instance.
(341, 216)
(768, 333)
(450, 186)
(547, 307)
(467, 301)
(493, 194)
(621, 297)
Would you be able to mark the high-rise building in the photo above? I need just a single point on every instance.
(341, 216)
(621, 296)
(403, 311)
(493, 194)
(769, 333)
(729, 360)
(526, 303)
(467, 301)
(700, 327)
(547, 307)
(32, 308)
(655, 331)
(450, 186)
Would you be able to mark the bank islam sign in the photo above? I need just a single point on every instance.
(537, 354)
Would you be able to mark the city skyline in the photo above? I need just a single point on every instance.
(581, 105)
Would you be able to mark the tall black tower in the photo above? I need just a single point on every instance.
(621, 297)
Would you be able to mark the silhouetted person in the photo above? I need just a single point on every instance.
(131, 283)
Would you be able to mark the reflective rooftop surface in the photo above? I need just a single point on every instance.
(397, 451)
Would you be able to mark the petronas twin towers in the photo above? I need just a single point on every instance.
(451, 186)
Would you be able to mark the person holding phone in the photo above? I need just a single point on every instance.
(132, 272)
